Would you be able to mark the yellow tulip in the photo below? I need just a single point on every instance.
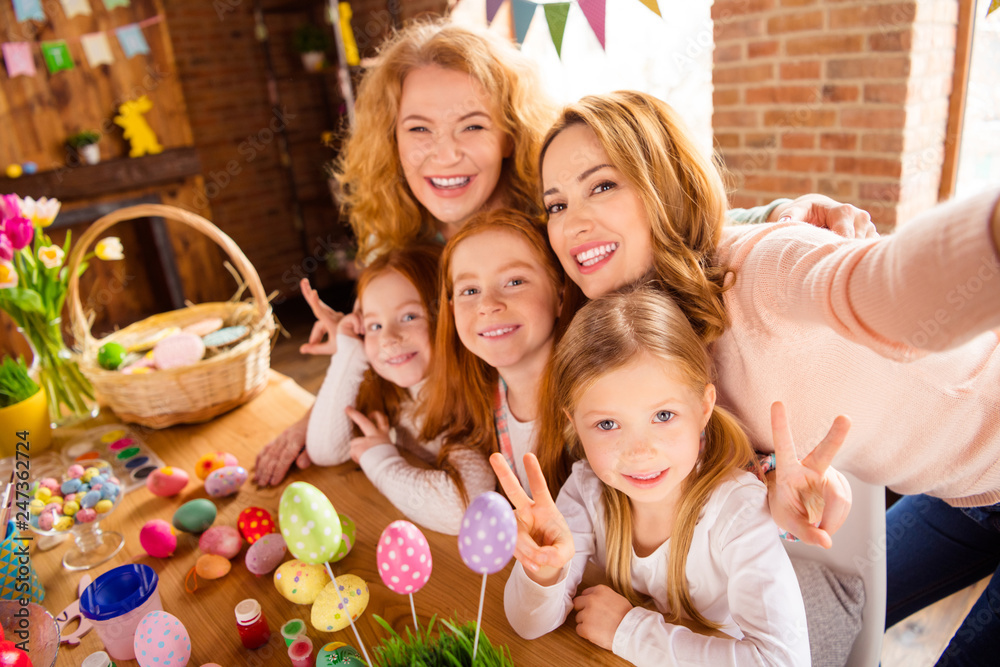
(110, 248)
(8, 276)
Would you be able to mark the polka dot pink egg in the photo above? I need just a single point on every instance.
(404, 558)
(161, 640)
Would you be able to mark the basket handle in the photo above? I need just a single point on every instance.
(78, 320)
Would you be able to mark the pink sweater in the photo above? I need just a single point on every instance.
(898, 334)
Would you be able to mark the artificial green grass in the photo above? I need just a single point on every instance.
(448, 649)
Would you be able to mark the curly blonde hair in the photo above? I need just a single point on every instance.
(380, 206)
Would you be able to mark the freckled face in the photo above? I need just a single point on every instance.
(451, 148)
(397, 335)
(597, 224)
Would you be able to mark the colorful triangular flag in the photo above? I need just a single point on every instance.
(97, 49)
(111, 4)
(28, 10)
(523, 11)
(994, 5)
(132, 41)
(20, 61)
(57, 57)
(653, 5)
(492, 6)
(555, 16)
(594, 11)
(76, 8)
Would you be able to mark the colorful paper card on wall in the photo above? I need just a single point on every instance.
(76, 8)
(28, 10)
(132, 40)
(111, 4)
(57, 57)
(97, 49)
(19, 59)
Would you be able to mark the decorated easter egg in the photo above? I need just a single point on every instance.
(213, 461)
(488, 533)
(86, 515)
(225, 481)
(167, 481)
(254, 523)
(212, 566)
(181, 349)
(204, 327)
(338, 603)
(266, 553)
(75, 471)
(111, 355)
(161, 638)
(63, 523)
(340, 654)
(300, 582)
(90, 499)
(158, 538)
(222, 541)
(195, 515)
(46, 520)
(103, 506)
(348, 534)
(309, 523)
(403, 557)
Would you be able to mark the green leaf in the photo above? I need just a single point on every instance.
(25, 299)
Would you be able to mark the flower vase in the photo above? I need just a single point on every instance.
(70, 395)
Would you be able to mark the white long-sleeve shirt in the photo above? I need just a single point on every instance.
(738, 575)
(427, 496)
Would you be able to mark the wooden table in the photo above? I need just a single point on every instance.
(453, 590)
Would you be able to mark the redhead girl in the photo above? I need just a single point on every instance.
(659, 498)
(383, 354)
(898, 332)
(501, 295)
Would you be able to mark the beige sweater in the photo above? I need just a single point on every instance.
(897, 333)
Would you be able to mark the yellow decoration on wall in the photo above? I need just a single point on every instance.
(137, 130)
(350, 46)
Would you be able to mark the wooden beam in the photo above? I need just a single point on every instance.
(959, 91)
(89, 181)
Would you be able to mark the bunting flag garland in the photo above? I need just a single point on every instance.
(28, 10)
(111, 4)
(19, 60)
(555, 16)
(653, 6)
(492, 6)
(524, 11)
(97, 49)
(594, 11)
(76, 8)
(56, 55)
(132, 41)
(993, 7)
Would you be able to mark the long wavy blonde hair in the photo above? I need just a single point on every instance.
(681, 191)
(382, 210)
(606, 334)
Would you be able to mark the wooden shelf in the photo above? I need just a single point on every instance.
(87, 181)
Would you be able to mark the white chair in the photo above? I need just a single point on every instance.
(859, 548)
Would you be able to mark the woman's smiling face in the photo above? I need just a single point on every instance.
(597, 224)
(450, 146)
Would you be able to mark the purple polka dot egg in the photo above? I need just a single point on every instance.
(161, 640)
(488, 534)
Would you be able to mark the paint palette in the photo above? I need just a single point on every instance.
(130, 457)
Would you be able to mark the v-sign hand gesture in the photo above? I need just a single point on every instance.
(812, 499)
(544, 541)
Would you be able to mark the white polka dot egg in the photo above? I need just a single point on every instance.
(161, 640)
(403, 557)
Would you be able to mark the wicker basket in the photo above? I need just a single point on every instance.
(189, 394)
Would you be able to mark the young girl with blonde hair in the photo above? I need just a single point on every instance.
(502, 291)
(660, 497)
(383, 354)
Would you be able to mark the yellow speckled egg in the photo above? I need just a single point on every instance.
(300, 582)
(63, 523)
(103, 506)
(90, 473)
(43, 493)
(330, 611)
(71, 508)
(36, 506)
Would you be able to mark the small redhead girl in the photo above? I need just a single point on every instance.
(382, 358)
(501, 294)
(660, 497)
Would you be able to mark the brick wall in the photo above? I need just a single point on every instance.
(223, 74)
(845, 98)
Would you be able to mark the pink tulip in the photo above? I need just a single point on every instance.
(19, 231)
(10, 207)
(6, 248)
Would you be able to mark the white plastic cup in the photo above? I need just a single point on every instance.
(116, 601)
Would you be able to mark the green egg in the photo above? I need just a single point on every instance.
(111, 355)
(195, 516)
